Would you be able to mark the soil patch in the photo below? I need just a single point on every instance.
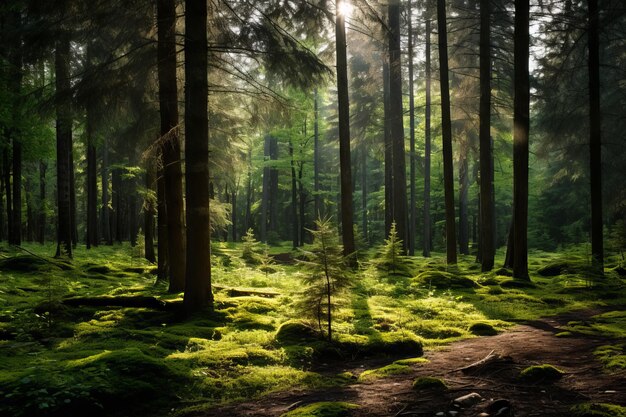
(532, 343)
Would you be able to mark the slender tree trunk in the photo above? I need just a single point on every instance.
(413, 199)
(116, 180)
(17, 193)
(446, 127)
(92, 187)
(510, 246)
(149, 211)
(273, 190)
(521, 122)
(487, 244)
(265, 196)
(595, 138)
(463, 202)
(248, 217)
(344, 141)
(64, 140)
(233, 202)
(6, 173)
(163, 267)
(316, 158)
(106, 211)
(2, 212)
(364, 191)
(427, 151)
(302, 199)
(388, 144)
(30, 218)
(294, 201)
(170, 143)
(198, 278)
(41, 232)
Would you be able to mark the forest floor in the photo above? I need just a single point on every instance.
(532, 343)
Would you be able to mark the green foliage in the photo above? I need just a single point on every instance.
(323, 409)
(251, 248)
(326, 275)
(541, 373)
(429, 383)
(598, 410)
(391, 258)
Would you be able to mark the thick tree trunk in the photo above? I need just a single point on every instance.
(15, 80)
(170, 143)
(344, 139)
(595, 138)
(487, 244)
(413, 198)
(446, 128)
(521, 122)
(427, 145)
(64, 140)
(198, 277)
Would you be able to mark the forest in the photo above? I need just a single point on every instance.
(312, 208)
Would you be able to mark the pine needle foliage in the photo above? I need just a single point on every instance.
(391, 258)
(251, 250)
(327, 275)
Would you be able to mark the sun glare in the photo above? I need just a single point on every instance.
(345, 8)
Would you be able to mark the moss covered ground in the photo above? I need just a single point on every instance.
(64, 359)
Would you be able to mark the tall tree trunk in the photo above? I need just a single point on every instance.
(2, 190)
(316, 158)
(16, 238)
(248, 217)
(295, 229)
(273, 189)
(64, 140)
(149, 211)
(163, 267)
(265, 192)
(510, 246)
(521, 122)
(463, 201)
(413, 198)
(388, 144)
(344, 137)
(198, 278)
(92, 187)
(427, 145)
(74, 225)
(41, 232)
(446, 133)
(302, 199)
(233, 202)
(595, 138)
(364, 192)
(6, 173)
(30, 217)
(170, 143)
(106, 211)
(487, 244)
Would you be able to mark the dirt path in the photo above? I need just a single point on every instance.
(528, 344)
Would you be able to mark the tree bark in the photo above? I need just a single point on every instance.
(446, 127)
(41, 232)
(364, 228)
(106, 211)
(265, 192)
(316, 158)
(163, 272)
(16, 238)
(6, 173)
(487, 244)
(198, 293)
(149, 211)
(344, 138)
(388, 144)
(64, 140)
(295, 229)
(170, 143)
(427, 150)
(92, 187)
(273, 189)
(595, 138)
(521, 122)
(463, 201)
(413, 198)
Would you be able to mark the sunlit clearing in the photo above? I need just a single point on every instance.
(345, 8)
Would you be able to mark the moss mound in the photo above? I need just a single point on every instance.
(295, 333)
(598, 410)
(385, 371)
(504, 272)
(24, 263)
(323, 409)
(516, 283)
(553, 269)
(482, 329)
(441, 279)
(541, 373)
(429, 382)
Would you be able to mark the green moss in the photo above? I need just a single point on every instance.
(564, 334)
(440, 279)
(612, 356)
(516, 283)
(429, 383)
(482, 329)
(541, 373)
(323, 409)
(598, 410)
(296, 332)
(411, 361)
(385, 371)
